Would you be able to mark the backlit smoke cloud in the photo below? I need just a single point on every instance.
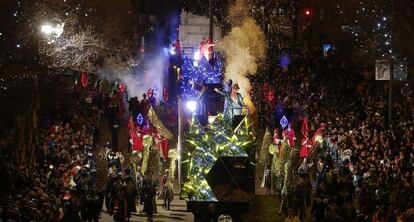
(151, 77)
(138, 81)
(245, 46)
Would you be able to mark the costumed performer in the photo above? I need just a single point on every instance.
(201, 101)
(162, 145)
(201, 104)
(290, 135)
(306, 144)
(227, 88)
(275, 150)
(234, 102)
(208, 50)
(284, 155)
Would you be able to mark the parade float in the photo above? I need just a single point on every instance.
(216, 151)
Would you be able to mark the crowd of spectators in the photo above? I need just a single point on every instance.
(58, 185)
(365, 169)
(73, 175)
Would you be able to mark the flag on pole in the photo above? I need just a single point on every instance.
(121, 88)
(131, 127)
(84, 80)
(177, 47)
(305, 128)
(165, 94)
(135, 136)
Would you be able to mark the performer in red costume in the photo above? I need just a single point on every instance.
(137, 140)
(208, 50)
(306, 144)
(162, 145)
(135, 136)
(202, 47)
(289, 133)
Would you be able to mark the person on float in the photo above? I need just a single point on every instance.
(202, 47)
(202, 102)
(306, 144)
(290, 135)
(227, 88)
(276, 140)
(145, 105)
(162, 145)
(208, 49)
(136, 140)
(151, 97)
(234, 101)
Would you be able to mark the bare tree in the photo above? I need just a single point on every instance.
(100, 34)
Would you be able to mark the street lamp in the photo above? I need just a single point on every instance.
(52, 31)
(46, 29)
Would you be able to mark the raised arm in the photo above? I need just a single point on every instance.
(220, 92)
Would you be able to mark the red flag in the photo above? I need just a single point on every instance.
(121, 88)
(165, 94)
(165, 147)
(84, 80)
(305, 129)
(305, 147)
(270, 96)
(150, 93)
(135, 135)
(131, 127)
(177, 47)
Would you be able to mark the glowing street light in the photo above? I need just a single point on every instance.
(47, 29)
(52, 31)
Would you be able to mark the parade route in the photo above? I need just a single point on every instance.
(178, 212)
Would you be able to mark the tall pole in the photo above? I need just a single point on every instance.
(211, 28)
(390, 95)
(390, 82)
(179, 143)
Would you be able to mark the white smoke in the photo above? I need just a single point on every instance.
(138, 81)
(245, 47)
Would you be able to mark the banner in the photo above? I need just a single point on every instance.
(382, 69)
(400, 69)
(193, 29)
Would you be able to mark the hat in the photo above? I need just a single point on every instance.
(236, 86)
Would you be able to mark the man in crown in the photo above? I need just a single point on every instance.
(234, 101)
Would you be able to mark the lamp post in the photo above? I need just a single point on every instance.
(211, 27)
(390, 82)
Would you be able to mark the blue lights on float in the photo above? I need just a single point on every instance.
(199, 70)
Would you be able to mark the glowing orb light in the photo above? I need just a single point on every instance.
(172, 51)
(191, 105)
